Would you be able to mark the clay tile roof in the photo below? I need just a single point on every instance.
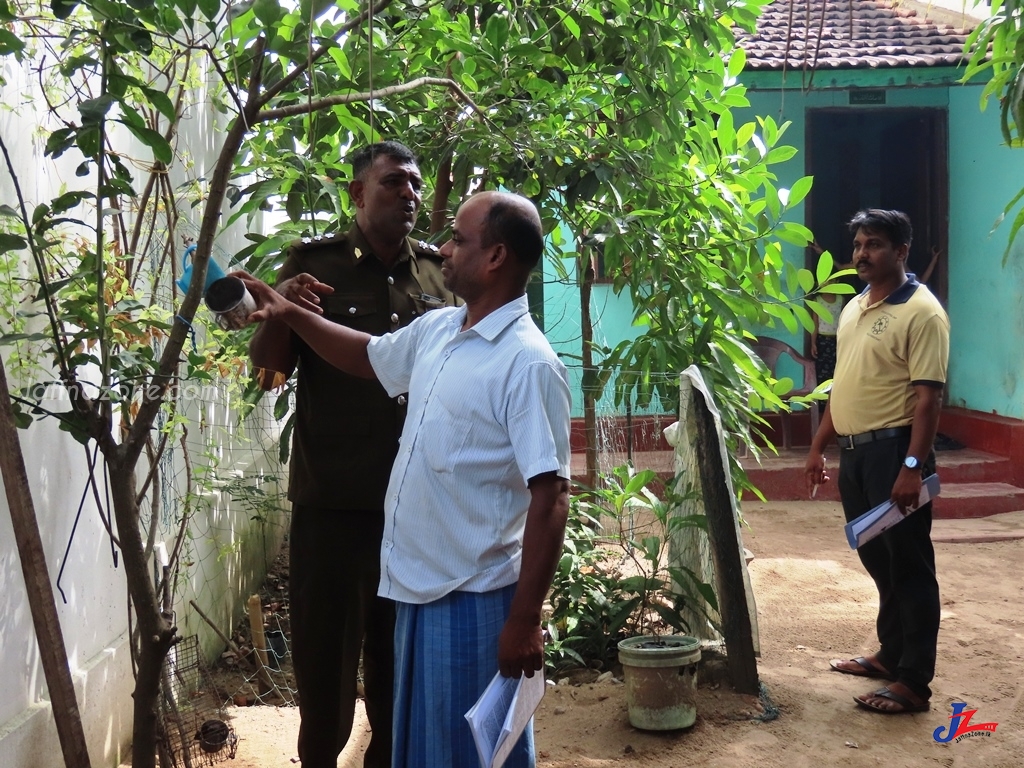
(854, 34)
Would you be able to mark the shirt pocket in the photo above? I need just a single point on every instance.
(443, 436)
(355, 310)
(424, 302)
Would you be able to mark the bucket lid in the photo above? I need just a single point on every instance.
(659, 650)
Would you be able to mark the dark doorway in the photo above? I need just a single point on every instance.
(880, 158)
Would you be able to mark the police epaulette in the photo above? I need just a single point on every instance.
(430, 248)
(316, 239)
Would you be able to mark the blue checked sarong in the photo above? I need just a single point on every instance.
(446, 652)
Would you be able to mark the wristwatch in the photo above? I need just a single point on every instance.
(911, 462)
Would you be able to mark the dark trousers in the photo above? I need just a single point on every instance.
(901, 562)
(335, 613)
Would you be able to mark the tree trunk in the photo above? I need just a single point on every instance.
(589, 371)
(52, 652)
(156, 635)
(442, 193)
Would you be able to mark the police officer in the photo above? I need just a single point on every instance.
(373, 279)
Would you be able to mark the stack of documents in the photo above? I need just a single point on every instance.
(502, 713)
(886, 515)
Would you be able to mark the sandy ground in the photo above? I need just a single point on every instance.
(814, 603)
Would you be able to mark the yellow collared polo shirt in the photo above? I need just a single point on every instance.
(883, 350)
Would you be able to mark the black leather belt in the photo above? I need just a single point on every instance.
(849, 442)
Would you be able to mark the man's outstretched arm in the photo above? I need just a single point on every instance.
(342, 347)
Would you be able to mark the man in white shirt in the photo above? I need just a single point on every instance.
(478, 496)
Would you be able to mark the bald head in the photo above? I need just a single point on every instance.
(513, 221)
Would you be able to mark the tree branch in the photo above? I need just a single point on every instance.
(348, 98)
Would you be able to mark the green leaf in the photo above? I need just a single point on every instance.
(63, 8)
(780, 155)
(570, 23)
(5, 12)
(806, 280)
(161, 101)
(820, 309)
(284, 442)
(74, 424)
(10, 338)
(161, 148)
(60, 141)
(804, 317)
(316, 11)
(1018, 224)
(269, 12)
(799, 190)
(840, 288)
(68, 201)
(39, 213)
(10, 43)
(789, 233)
(737, 60)
(282, 404)
(94, 110)
(211, 8)
(22, 420)
(142, 41)
(9, 242)
(497, 32)
(824, 269)
(782, 386)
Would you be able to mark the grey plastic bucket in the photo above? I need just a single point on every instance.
(661, 681)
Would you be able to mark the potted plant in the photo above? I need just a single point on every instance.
(616, 584)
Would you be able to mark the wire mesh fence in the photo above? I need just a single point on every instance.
(194, 729)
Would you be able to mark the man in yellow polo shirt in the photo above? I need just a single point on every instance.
(892, 353)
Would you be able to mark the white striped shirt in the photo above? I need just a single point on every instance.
(488, 411)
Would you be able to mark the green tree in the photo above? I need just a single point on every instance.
(614, 116)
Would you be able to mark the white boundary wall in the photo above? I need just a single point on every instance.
(232, 550)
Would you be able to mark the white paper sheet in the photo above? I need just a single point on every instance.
(502, 713)
(886, 515)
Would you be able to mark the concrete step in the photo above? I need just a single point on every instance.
(964, 500)
(974, 483)
(781, 478)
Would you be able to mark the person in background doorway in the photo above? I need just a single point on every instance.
(823, 339)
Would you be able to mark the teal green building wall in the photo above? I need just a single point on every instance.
(612, 317)
(986, 299)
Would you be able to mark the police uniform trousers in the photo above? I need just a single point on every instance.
(335, 613)
(901, 561)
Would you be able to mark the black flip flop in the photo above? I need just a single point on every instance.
(870, 668)
(884, 693)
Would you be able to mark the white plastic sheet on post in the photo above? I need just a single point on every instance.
(689, 546)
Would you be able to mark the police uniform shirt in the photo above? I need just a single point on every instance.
(347, 428)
